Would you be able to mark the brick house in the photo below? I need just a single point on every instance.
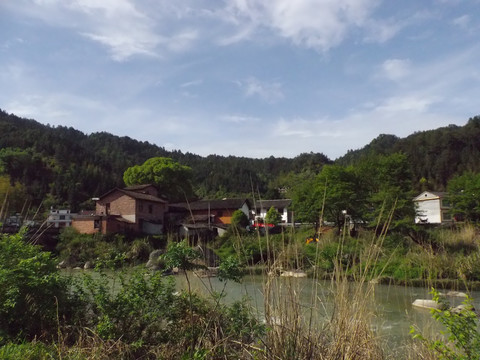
(134, 209)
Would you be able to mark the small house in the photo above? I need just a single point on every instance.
(432, 207)
(59, 218)
(281, 205)
(205, 219)
(212, 211)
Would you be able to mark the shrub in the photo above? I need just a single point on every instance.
(32, 291)
(462, 336)
(27, 351)
(135, 308)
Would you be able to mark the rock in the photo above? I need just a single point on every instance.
(62, 264)
(296, 273)
(462, 307)
(456, 294)
(427, 304)
(88, 265)
(155, 254)
(153, 262)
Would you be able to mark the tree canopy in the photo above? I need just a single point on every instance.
(172, 179)
(464, 196)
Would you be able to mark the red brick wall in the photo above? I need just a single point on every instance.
(120, 204)
(84, 226)
(157, 214)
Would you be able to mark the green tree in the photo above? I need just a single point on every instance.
(172, 179)
(307, 197)
(239, 219)
(343, 191)
(387, 179)
(464, 196)
(273, 217)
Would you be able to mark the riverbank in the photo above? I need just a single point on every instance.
(144, 315)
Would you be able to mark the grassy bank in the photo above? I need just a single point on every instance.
(113, 316)
(441, 257)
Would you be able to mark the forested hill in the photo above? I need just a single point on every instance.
(435, 155)
(63, 166)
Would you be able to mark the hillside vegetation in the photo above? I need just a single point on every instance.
(61, 166)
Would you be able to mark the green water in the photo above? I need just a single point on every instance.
(390, 305)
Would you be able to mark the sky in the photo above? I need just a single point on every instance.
(254, 78)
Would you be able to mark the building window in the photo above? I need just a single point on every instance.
(150, 209)
(445, 203)
(107, 208)
(446, 216)
(62, 217)
(96, 224)
(140, 208)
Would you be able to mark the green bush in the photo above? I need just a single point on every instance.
(462, 336)
(27, 351)
(34, 297)
(135, 308)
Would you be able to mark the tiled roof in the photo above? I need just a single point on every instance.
(138, 187)
(136, 195)
(141, 196)
(277, 204)
(213, 204)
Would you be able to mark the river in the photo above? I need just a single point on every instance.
(391, 305)
(392, 310)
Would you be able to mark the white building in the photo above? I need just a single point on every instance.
(432, 208)
(281, 205)
(59, 218)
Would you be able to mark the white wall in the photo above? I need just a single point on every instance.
(429, 210)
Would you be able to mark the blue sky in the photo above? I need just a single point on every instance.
(249, 78)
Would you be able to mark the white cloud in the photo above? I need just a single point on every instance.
(303, 128)
(239, 119)
(407, 103)
(122, 26)
(191, 83)
(382, 31)
(462, 21)
(395, 69)
(314, 24)
(270, 92)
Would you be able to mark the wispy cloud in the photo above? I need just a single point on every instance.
(269, 92)
(121, 26)
(318, 25)
(191, 83)
(462, 21)
(395, 69)
(239, 119)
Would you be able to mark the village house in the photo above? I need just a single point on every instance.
(432, 208)
(134, 209)
(281, 205)
(206, 218)
(59, 218)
